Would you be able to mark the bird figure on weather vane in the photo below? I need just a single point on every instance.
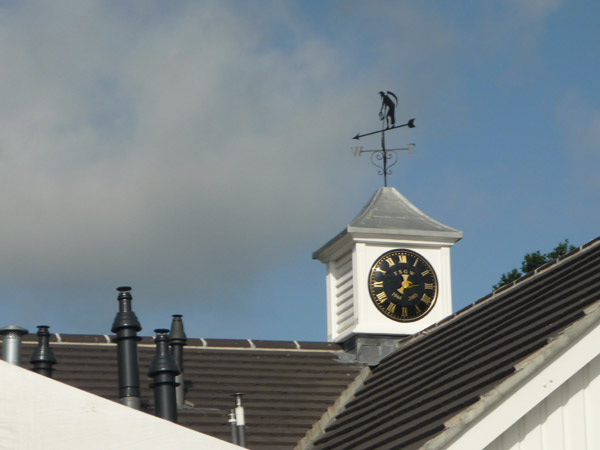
(385, 158)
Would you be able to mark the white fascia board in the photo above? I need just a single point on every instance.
(534, 380)
(334, 248)
(39, 412)
(399, 241)
(409, 235)
(344, 241)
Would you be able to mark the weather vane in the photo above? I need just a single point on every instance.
(385, 158)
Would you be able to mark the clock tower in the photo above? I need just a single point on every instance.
(388, 275)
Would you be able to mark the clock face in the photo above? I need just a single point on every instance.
(403, 285)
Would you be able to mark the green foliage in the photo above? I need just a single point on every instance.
(507, 277)
(532, 261)
(560, 249)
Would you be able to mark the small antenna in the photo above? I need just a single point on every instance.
(385, 158)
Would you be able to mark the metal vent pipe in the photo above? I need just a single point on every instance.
(43, 357)
(240, 420)
(11, 343)
(233, 425)
(177, 340)
(126, 326)
(163, 369)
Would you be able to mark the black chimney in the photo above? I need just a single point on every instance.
(163, 369)
(126, 326)
(43, 357)
(177, 340)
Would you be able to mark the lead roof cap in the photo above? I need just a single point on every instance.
(389, 212)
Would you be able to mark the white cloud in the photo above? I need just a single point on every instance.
(181, 151)
(537, 9)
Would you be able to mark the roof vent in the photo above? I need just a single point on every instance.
(240, 421)
(177, 340)
(43, 357)
(163, 369)
(11, 343)
(126, 326)
(233, 425)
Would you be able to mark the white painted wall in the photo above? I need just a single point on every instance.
(567, 419)
(40, 413)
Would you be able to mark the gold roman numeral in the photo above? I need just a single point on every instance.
(378, 284)
(425, 272)
(391, 308)
(390, 261)
(426, 299)
(428, 285)
(402, 259)
(381, 297)
(404, 311)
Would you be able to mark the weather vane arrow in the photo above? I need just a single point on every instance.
(409, 124)
(387, 115)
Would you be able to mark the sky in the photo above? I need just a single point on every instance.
(200, 151)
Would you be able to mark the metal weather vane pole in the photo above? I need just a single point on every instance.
(388, 157)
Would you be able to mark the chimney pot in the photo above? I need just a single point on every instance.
(11, 343)
(125, 326)
(43, 357)
(177, 340)
(163, 370)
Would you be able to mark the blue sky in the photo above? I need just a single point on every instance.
(200, 151)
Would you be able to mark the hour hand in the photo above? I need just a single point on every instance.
(409, 284)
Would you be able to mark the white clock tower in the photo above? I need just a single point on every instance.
(388, 222)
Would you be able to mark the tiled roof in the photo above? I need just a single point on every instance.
(407, 400)
(287, 385)
(441, 371)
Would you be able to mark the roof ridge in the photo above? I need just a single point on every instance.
(206, 343)
(543, 268)
(329, 416)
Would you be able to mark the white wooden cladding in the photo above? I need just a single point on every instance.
(344, 294)
(569, 418)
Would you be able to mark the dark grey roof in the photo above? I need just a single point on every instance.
(446, 368)
(404, 402)
(286, 385)
(388, 212)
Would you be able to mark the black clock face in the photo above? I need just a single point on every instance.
(403, 285)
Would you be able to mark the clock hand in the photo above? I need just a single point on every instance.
(403, 285)
(406, 284)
